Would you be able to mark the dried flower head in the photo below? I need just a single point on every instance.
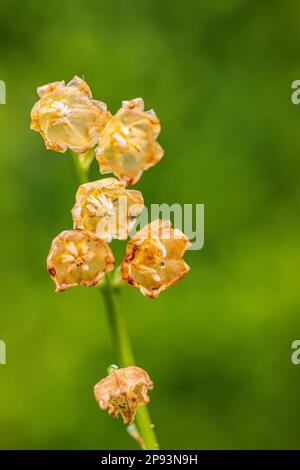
(127, 144)
(66, 116)
(106, 208)
(78, 258)
(153, 258)
(122, 391)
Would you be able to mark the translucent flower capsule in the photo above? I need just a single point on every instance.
(78, 258)
(107, 209)
(67, 117)
(127, 145)
(123, 391)
(153, 260)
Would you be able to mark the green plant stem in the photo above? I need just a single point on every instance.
(117, 326)
(81, 170)
(123, 347)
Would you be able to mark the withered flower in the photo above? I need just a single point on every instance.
(123, 391)
(153, 258)
(127, 145)
(106, 208)
(67, 117)
(78, 258)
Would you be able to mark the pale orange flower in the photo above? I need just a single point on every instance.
(153, 258)
(78, 258)
(67, 117)
(123, 391)
(127, 145)
(106, 208)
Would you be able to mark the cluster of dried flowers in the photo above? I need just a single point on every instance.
(67, 117)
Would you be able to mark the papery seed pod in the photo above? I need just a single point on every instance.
(127, 145)
(77, 258)
(123, 391)
(67, 117)
(107, 209)
(153, 260)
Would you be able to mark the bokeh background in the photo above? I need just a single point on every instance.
(218, 344)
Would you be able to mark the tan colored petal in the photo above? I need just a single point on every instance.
(127, 145)
(67, 117)
(123, 391)
(78, 258)
(35, 122)
(49, 88)
(81, 86)
(153, 260)
(106, 208)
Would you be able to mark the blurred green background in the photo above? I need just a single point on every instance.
(218, 344)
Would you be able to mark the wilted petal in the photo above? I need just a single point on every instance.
(153, 260)
(123, 391)
(106, 208)
(78, 258)
(127, 144)
(66, 116)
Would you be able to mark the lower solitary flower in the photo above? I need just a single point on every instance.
(78, 258)
(123, 391)
(153, 258)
